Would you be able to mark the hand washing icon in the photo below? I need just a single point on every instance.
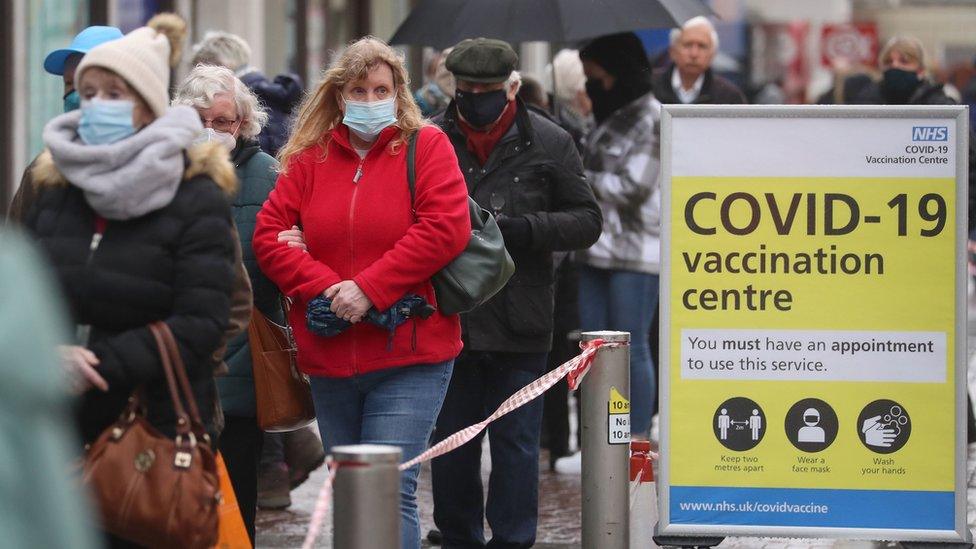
(884, 426)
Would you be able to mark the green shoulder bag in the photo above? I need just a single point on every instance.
(482, 269)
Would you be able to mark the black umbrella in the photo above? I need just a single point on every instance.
(444, 23)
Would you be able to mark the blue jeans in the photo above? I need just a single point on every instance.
(396, 406)
(481, 382)
(625, 301)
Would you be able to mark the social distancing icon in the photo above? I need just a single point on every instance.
(739, 424)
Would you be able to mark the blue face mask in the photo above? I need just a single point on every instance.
(72, 101)
(368, 119)
(105, 121)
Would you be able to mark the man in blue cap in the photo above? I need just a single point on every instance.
(62, 62)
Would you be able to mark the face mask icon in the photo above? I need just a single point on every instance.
(811, 425)
(811, 417)
(811, 430)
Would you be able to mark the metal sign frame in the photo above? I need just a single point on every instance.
(957, 113)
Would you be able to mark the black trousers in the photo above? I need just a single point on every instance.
(240, 444)
(480, 383)
(555, 414)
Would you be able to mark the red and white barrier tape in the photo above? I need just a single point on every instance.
(321, 505)
(574, 370)
(578, 365)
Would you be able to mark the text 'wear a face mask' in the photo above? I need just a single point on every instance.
(72, 101)
(105, 121)
(481, 109)
(367, 119)
(225, 139)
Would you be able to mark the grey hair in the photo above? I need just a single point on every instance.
(207, 81)
(699, 21)
(514, 81)
(570, 79)
(222, 48)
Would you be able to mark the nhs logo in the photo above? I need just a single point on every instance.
(930, 133)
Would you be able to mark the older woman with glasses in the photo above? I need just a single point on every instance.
(232, 117)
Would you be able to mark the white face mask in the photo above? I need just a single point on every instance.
(226, 140)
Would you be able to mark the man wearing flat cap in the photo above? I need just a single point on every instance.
(527, 171)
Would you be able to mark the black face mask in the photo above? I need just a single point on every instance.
(898, 86)
(605, 102)
(481, 109)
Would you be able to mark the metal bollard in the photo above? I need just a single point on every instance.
(366, 505)
(606, 445)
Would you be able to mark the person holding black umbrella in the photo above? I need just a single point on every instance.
(527, 170)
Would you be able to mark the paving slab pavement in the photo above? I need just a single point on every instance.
(559, 517)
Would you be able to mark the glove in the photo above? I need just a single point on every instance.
(321, 320)
(517, 232)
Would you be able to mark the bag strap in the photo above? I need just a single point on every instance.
(180, 369)
(266, 334)
(412, 169)
(286, 325)
(175, 371)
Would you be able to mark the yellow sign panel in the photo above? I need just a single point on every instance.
(813, 279)
(618, 404)
(812, 325)
(811, 303)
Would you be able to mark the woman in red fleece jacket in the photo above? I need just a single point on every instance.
(344, 182)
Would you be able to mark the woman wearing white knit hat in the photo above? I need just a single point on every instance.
(137, 226)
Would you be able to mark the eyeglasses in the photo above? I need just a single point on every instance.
(220, 124)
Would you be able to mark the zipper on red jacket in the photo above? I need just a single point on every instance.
(359, 171)
(352, 250)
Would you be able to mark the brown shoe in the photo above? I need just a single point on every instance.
(273, 492)
(303, 454)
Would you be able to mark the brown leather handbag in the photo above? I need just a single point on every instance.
(283, 394)
(153, 490)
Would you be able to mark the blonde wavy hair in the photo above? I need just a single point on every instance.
(319, 112)
(908, 46)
